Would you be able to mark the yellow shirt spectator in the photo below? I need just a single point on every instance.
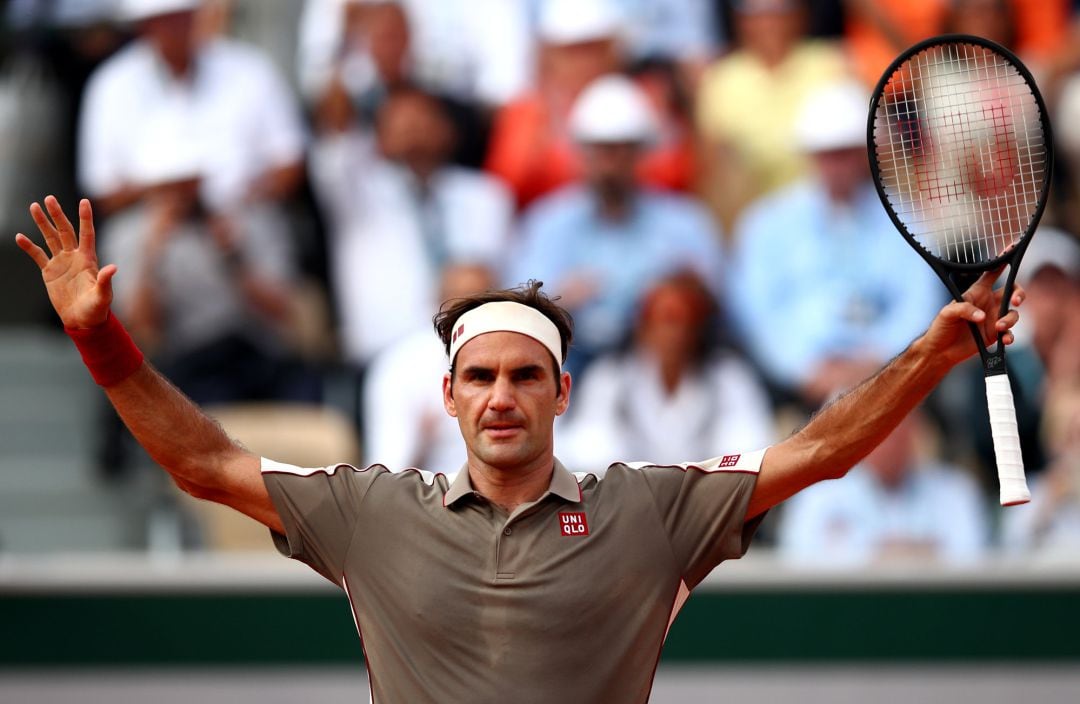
(751, 107)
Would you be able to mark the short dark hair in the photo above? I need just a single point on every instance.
(527, 294)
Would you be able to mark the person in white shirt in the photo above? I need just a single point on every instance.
(405, 424)
(398, 210)
(223, 101)
(190, 143)
(893, 508)
(672, 392)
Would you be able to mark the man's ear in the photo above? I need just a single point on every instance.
(448, 395)
(562, 401)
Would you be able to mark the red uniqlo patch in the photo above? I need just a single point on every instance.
(573, 524)
(729, 460)
(458, 333)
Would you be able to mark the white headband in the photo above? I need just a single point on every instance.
(506, 316)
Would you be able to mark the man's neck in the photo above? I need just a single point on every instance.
(508, 489)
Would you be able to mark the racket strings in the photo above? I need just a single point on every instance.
(961, 151)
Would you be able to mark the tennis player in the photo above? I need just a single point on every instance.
(511, 579)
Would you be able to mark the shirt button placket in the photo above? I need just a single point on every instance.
(500, 571)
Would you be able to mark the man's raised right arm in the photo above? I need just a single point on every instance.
(189, 445)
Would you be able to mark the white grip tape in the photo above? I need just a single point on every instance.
(1010, 464)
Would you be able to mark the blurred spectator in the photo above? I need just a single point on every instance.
(476, 51)
(531, 146)
(405, 424)
(673, 394)
(212, 302)
(378, 53)
(222, 100)
(397, 213)
(878, 30)
(679, 31)
(823, 287)
(189, 143)
(749, 100)
(599, 244)
(374, 58)
(892, 508)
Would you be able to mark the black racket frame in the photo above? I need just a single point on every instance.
(957, 275)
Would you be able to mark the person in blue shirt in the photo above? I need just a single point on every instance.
(895, 507)
(823, 288)
(600, 243)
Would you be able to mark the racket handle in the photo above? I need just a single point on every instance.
(1010, 464)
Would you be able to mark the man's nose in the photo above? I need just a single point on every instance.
(502, 395)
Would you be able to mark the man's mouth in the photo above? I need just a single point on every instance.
(501, 430)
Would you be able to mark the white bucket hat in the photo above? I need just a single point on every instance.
(613, 109)
(833, 117)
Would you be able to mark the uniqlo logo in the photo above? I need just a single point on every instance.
(458, 333)
(729, 460)
(573, 524)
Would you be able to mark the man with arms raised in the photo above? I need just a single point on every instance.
(514, 580)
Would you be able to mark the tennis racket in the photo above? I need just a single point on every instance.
(960, 149)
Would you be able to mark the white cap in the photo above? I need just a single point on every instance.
(833, 117)
(613, 109)
(1051, 247)
(578, 21)
(134, 10)
(506, 316)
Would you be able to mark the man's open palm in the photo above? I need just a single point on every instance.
(79, 291)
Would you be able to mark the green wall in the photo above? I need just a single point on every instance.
(788, 624)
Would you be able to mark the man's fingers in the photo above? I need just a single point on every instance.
(964, 311)
(52, 239)
(87, 237)
(36, 253)
(1007, 320)
(63, 225)
(104, 277)
(1019, 294)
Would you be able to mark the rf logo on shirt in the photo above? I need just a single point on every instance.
(573, 524)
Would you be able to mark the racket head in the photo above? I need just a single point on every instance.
(961, 151)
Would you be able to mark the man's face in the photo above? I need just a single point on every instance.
(841, 171)
(505, 398)
(670, 327)
(412, 129)
(172, 34)
(610, 167)
(769, 29)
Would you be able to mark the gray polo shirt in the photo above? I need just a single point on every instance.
(567, 599)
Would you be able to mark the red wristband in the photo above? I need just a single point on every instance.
(107, 351)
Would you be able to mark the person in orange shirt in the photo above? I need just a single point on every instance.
(531, 149)
(878, 30)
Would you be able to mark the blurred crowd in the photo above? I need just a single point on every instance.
(290, 188)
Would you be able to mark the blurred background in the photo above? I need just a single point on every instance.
(291, 187)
